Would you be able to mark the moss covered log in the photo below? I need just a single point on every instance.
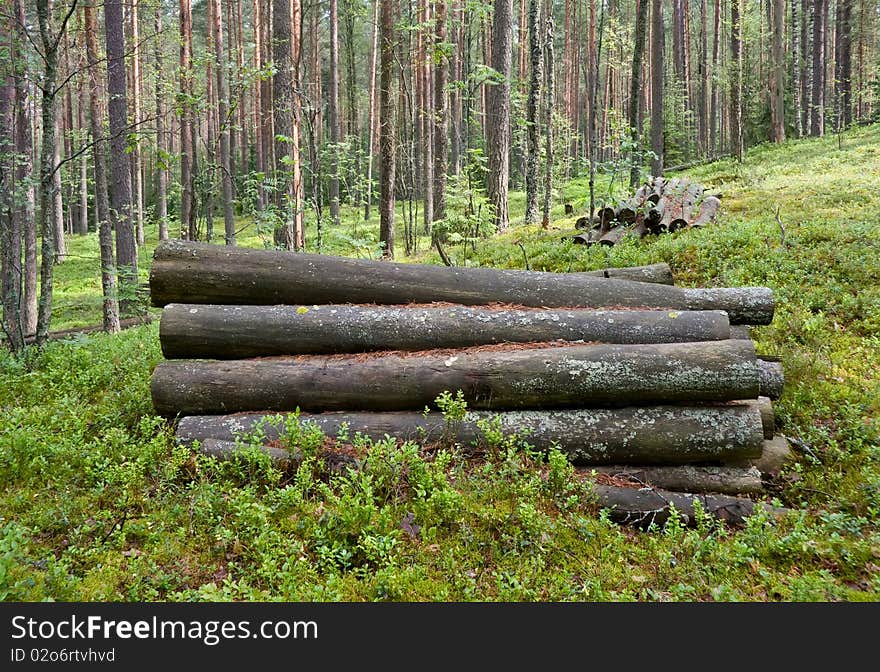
(185, 272)
(231, 332)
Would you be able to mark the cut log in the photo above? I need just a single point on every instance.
(613, 236)
(235, 332)
(772, 379)
(281, 458)
(775, 452)
(655, 214)
(642, 507)
(587, 238)
(691, 478)
(185, 272)
(606, 216)
(228, 450)
(688, 198)
(626, 213)
(490, 378)
(768, 418)
(741, 331)
(662, 435)
(708, 209)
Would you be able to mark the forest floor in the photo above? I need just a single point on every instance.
(97, 503)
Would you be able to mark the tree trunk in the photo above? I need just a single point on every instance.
(715, 104)
(426, 72)
(387, 130)
(57, 200)
(441, 113)
(225, 123)
(817, 107)
(333, 109)
(286, 34)
(82, 223)
(48, 154)
(235, 332)
(533, 128)
(777, 84)
(549, 104)
(10, 233)
(845, 77)
(507, 378)
(736, 79)
(635, 93)
(657, 61)
(120, 168)
(372, 122)
(498, 113)
(649, 435)
(110, 305)
(23, 216)
(137, 174)
(187, 131)
(163, 155)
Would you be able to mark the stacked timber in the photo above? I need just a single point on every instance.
(643, 383)
(658, 206)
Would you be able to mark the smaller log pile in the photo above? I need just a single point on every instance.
(658, 206)
(643, 381)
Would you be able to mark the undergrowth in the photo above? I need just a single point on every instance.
(99, 504)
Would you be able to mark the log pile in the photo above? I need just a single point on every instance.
(642, 381)
(658, 206)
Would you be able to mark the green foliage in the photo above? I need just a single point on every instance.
(100, 504)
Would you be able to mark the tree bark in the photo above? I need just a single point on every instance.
(817, 107)
(549, 104)
(10, 233)
(23, 216)
(286, 42)
(736, 79)
(163, 155)
(542, 377)
(644, 507)
(777, 84)
(715, 103)
(441, 113)
(333, 109)
(57, 200)
(498, 113)
(225, 122)
(48, 153)
(533, 128)
(234, 332)
(387, 130)
(650, 435)
(197, 273)
(120, 167)
(657, 87)
(137, 174)
(109, 305)
(635, 93)
(690, 478)
(187, 131)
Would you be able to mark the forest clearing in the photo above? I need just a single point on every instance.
(426, 301)
(126, 515)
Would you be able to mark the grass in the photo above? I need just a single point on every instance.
(98, 504)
